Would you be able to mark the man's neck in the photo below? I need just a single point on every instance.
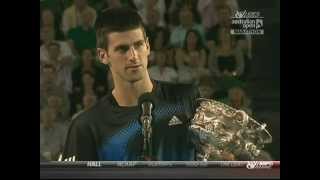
(128, 93)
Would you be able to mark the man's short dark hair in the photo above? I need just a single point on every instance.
(116, 20)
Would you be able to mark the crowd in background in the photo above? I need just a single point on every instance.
(190, 43)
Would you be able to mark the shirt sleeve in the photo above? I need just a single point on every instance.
(80, 142)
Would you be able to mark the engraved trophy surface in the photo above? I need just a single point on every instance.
(219, 128)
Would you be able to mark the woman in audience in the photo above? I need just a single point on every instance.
(192, 58)
(226, 56)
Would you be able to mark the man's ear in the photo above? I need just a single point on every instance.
(103, 56)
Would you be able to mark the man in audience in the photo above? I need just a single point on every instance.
(47, 36)
(160, 71)
(206, 87)
(63, 67)
(72, 15)
(52, 135)
(84, 36)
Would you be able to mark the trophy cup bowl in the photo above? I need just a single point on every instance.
(218, 128)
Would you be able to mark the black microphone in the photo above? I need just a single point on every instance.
(146, 102)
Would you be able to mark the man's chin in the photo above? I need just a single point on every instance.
(134, 78)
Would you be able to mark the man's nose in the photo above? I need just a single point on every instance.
(133, 55)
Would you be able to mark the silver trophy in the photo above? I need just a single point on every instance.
(218, 128)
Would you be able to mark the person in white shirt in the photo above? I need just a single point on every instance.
(47, 36)
(160, 71)
(144, 7)
(63, 66)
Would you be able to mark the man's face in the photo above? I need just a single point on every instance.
(153, 17)
(87, 57)
(186, 16)
(47, 34)
(192, 39)
(236, 95)
(49, 75)
(87, 18)
(206, 91)
(87, 80)
(127, 55)
(48, 118)
(54, 52)
(47, 17)
(88, 100)
(114, 3)
(54, 101)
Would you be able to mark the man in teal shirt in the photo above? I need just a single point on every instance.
(84, 36)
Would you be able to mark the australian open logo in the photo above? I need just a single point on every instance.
(247, 23)
(259, 164)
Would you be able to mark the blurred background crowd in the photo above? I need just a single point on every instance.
(190, 43)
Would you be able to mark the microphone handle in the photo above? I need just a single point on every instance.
(147, 137)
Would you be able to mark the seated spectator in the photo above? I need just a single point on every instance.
(89, 64)
(238, 100)
(186, 17)
(206, 87)
(72, 16)
(158, 40)
(161, 39)
(84, 36)
(153, 27)
(144, 7)
(52, 135)
(193, 56)
(103, 5)
(59, 106)
(88, 101)
(47, 36)
(49, 20)
(63, 66)
(88, 86)
(208, 13)
(174, 8)
(171, 58)
(226, 56)
(49, 86)
(160, 71)
(224, 84)
(56, 6)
